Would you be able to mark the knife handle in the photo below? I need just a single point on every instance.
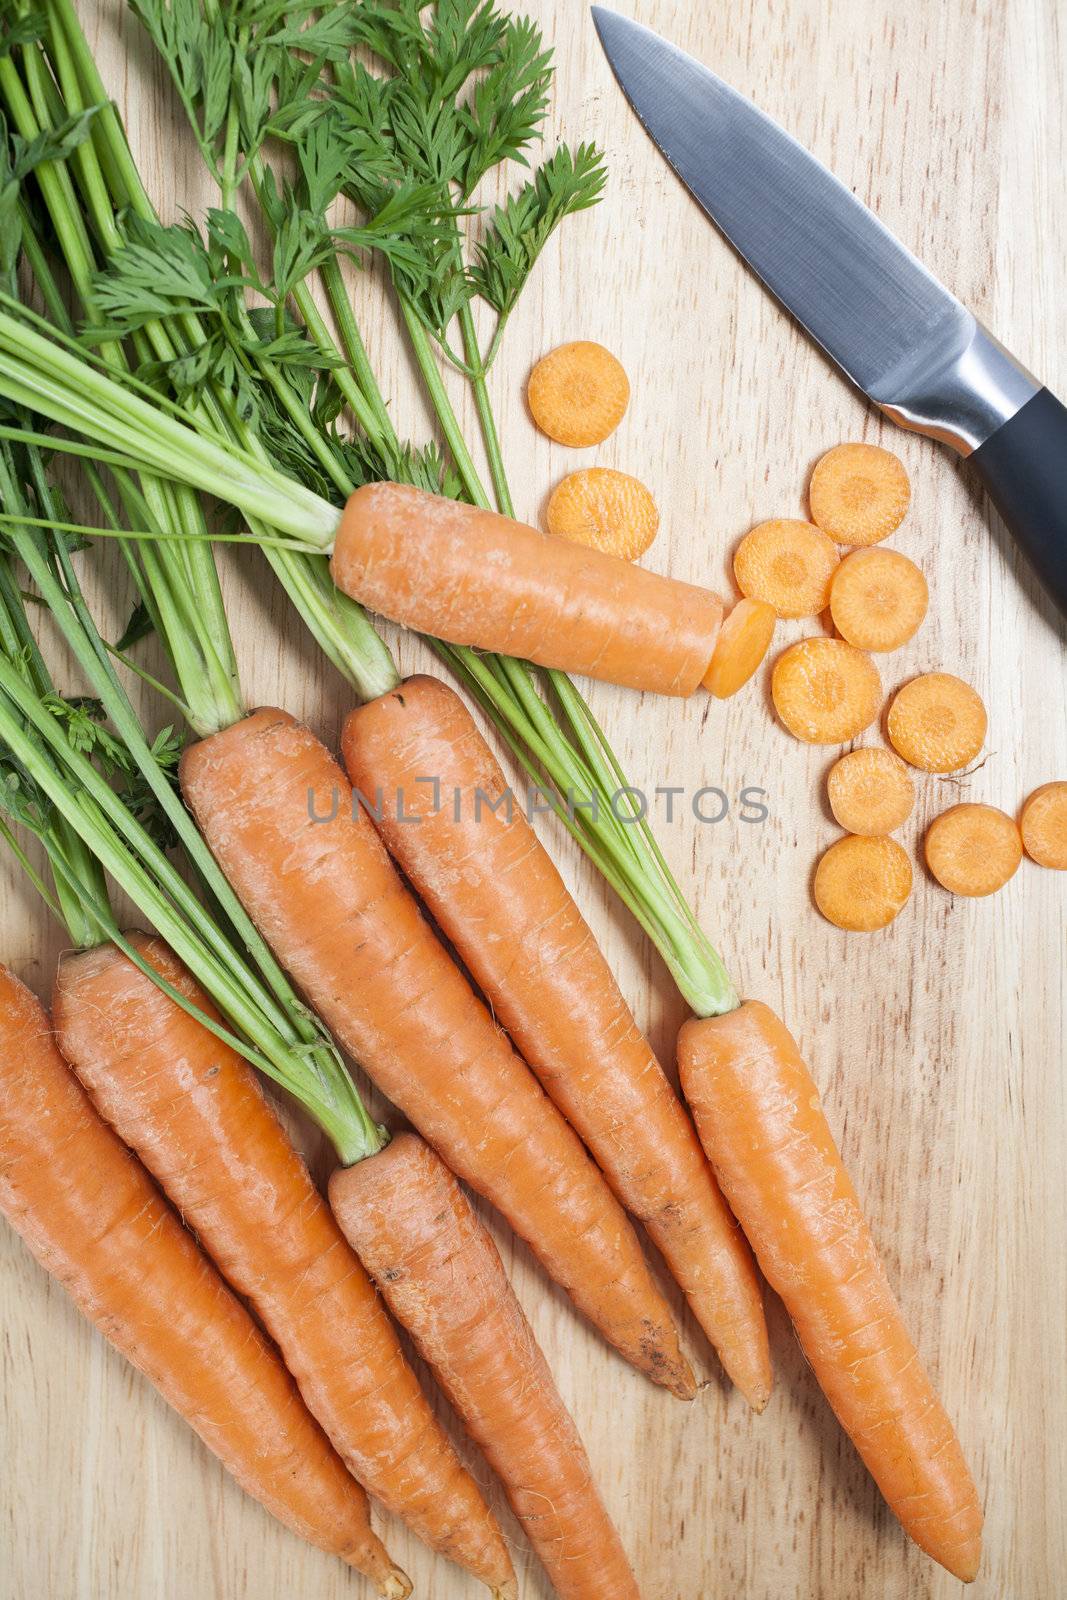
(1024, 468)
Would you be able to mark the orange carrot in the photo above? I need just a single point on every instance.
(789, 565)
(937, 722)
(96, 1222)
(825, 691)
(578, 393)
(194, 1112)
(861, 883)
(604, 509)
(761, 1122)
(1043, 823)
(870, 791)
(492, 887)
(442, 1277)
(744, 639)
(973, 849)
(474, 577)
(878, 599)
(859, 493)
(280, 817)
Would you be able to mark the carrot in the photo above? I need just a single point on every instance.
(744, 639)
(789, 564)
(578, 393)
(474, 577)
(878, 599)
(825, 691)
(870, 791)
(97, 1223)
(937, 722)
(759, 1116)
(1043, 823)
(280, 817)
(440, 1273)
(859, 493)
(861, 884)
(973, 849)
(194, 1112)
(604, 509)
(491, 886)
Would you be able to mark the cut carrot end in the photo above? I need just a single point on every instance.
(606, 509)
(870, 792)
(397, 1586)
(744, 639)
(825, 691)
(788, 564)
(861, 884)
(973, 849)
(1043, 824)
(878, 598)
(937, 722)
(859, 493)
(578, 393)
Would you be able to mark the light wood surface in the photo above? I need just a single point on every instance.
(939, 1043)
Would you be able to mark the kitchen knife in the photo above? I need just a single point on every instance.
(890, 326)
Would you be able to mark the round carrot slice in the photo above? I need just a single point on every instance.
(743, 641)
(862, 884)
(878, 599)
(606, 509)
(1044, 826)
(859, 493)
(937, 722)
(825, 691)
(789, 564)
(870, 791)
(578, 393)
(973, 849)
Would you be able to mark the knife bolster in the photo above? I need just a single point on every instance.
(966, 399)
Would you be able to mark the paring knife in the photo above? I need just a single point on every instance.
(890, 326)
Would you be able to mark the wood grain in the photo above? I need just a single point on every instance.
(939, 1043)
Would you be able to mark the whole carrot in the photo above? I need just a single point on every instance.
(280, 818)
(761, 1122)
(194, 1112)
(438, 1268)
(97, 1223)
(492, 887)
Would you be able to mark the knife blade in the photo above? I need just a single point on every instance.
(882, 317)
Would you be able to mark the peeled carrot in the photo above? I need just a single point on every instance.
(744, 639)
(789, 565)
(859, 493)
(605, 509)
(473, 577)
(937, 722)
(861, 884)
(280, 817)
(825, 691)
(97, 1223)
(878, 599)
(194, 1112)
(870, 791)
(492, 887)
(1043, 823)
(973, 849)
(578, 393)
(759, 1116)
(440, 1273)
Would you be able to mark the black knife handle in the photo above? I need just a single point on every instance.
(1024, 468)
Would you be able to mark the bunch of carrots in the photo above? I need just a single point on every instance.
(519, 1066)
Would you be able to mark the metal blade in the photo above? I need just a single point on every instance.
(871, 305)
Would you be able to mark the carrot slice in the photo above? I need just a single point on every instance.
(973, 849)
(1044, 826)
(825, 691)
(859, 493)
(870, 791)
(606, 509)
(861, 883)
(787, 563)
(744, 639)
(878, 599)
(578, 393)
(937, 722)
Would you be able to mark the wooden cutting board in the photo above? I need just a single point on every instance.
(939, 1043)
